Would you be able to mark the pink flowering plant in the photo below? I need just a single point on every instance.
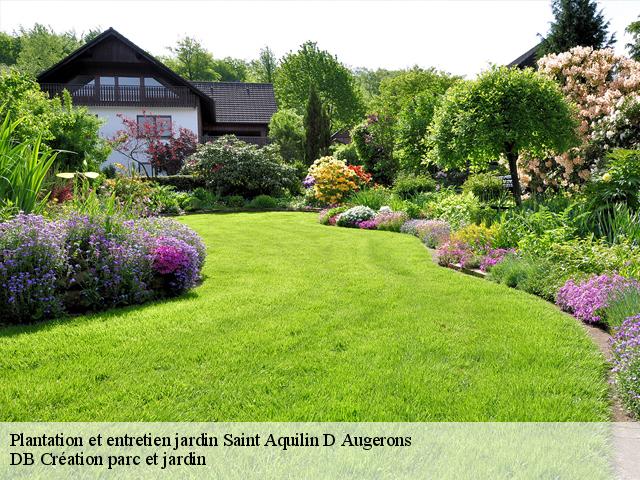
(495, 256)
(626, 362)
(391, 221)
(587, 300)
(177, 262)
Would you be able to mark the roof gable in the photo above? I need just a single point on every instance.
(238, 102)
(113, 47)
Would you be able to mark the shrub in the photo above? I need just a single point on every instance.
(486, 186)
(367, 225)
(411, 226)
(626, 362)
(587, 300)
(452, 253)
(513, 271)
(233, 201)
(351, 217)
(169, 155)
(433, 233)
(333, 180)
(166, 227)
(82, 263)
(479, 238)
(108, 264)
(374, 144)
(263, 202)
(286, 129)
(457, 210)
(407, 186)
(203, 199)
(232, 167)
(390, 221)
(346, 152)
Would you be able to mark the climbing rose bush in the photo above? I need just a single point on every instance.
(626, 362)
(333, 180)
(586, 300)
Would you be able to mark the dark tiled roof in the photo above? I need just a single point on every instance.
(527, 59)
(237, 102)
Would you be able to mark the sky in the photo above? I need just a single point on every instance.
(462, 37)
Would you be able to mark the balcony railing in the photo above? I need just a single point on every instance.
(138, 96)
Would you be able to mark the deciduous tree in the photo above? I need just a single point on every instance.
(501, 114)
(334, 83)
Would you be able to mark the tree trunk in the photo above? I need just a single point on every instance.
(512, 157)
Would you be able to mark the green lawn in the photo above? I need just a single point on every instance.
(301, 322)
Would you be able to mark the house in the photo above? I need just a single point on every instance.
(112, 76)
(527, 59)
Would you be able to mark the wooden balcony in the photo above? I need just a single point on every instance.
(124, 95)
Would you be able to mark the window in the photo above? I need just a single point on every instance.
(151, 82)
(160, 122)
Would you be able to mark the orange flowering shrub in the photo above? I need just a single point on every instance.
(332, 180)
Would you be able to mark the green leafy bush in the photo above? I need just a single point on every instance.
(233, 201)
(486, 186)
(263, 202)
(232, 167)
(327, 214)
(407, 186)
(347, 153)
(457, 210)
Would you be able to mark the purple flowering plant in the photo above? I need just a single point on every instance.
(588, 299)
(434, 233)
(626, 362)
(309, 181)
(89, 263)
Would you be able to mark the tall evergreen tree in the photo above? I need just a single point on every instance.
(576, 23)
(317, 128)
(634, 46)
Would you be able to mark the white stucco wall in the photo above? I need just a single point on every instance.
(180, 118)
